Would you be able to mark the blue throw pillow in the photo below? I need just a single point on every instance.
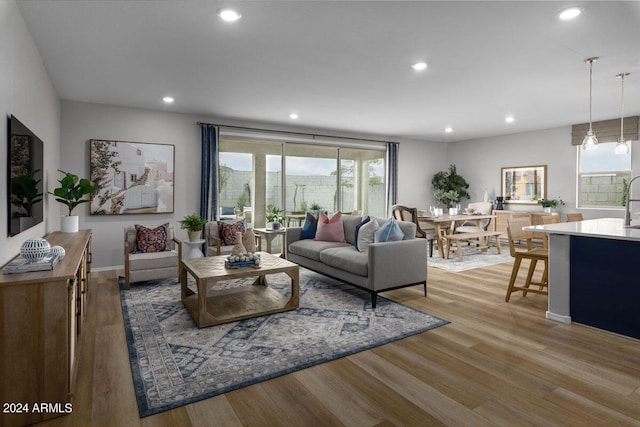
(364, 221)
(389, 232)
(309, 227)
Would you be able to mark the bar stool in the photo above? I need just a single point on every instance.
(516, 233)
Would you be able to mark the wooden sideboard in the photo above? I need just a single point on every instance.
(502, 217)
(42, 324)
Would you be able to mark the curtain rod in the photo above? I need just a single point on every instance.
(295, 133)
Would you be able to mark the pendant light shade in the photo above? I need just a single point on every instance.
(622, 147)
(590, 141)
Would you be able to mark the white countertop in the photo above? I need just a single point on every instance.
(604, 228)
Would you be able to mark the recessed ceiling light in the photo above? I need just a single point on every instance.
(569, 13)
(229, 15)
(168, 99)
(448, 129)
(293, 116)
(509, 119)
(419, 66)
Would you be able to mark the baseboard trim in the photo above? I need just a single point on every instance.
(110, 268)
(558, 317)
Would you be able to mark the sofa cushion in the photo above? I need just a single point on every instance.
(151, 239)
(349, 224)
(366, 235)
(310, 227)
(330, 230)
(312, 248)
(389, 232)
(153, 260)
(355, 237)
(346, 258)
(408, 228)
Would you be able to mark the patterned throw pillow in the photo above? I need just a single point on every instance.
(151, 239)
(330, 230)
(227, 231)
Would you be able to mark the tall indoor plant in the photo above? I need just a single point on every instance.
(449, 187)
(71, 193)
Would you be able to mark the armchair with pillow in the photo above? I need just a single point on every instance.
(150, 252)
(220, 236)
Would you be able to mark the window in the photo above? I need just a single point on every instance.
(329, 177)
(603, 177)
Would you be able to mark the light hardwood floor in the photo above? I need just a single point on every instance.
(495, 364)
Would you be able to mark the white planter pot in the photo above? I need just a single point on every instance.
(69, 223)
(194, 236)
(547, 210)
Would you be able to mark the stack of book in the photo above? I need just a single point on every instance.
(21, 265)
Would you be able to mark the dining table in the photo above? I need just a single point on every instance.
(446, 224)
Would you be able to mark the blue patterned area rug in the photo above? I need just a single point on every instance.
(174, 363)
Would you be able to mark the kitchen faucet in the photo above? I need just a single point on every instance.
(627, 212)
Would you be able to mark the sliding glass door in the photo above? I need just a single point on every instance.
(254, 176)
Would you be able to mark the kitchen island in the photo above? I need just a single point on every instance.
(594, 274)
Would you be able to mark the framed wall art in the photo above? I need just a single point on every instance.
(131, 177)
(524, 184)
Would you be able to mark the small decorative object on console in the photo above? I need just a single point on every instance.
(247, 259)
(57, 250)
(34, 250)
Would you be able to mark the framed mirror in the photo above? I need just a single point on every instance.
(524, 184)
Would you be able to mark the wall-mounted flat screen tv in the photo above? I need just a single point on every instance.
(25, 187)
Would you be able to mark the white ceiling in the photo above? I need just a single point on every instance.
(345, 65)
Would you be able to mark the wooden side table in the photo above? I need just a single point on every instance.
(269, 235)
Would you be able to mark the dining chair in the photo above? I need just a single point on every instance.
(515, 234)
(575, 216)
(404, 213)
(484, 208)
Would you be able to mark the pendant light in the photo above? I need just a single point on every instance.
(590, 142)
(622, 147)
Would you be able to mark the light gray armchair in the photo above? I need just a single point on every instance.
(142, 265)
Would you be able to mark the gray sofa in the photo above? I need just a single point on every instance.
(385, 266)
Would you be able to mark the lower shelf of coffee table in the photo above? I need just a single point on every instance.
(235, 304)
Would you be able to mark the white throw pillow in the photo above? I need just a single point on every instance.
(366, 235)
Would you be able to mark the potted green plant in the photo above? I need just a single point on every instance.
(548, 204)
(449, 187)
(274, 216)
(193, 224)
(71, 193)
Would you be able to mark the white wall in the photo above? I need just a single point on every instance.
(418, 161)
(480, 161)
(82, 122)
(26, 92)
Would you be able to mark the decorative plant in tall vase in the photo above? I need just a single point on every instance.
(193, 224)
(449, 187)
(71, 193)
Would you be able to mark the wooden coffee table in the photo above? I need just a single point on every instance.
(214, 307)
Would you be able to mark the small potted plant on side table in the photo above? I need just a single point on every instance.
(71, 193)
(193, 224)
(274, 216)
(548, 204)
